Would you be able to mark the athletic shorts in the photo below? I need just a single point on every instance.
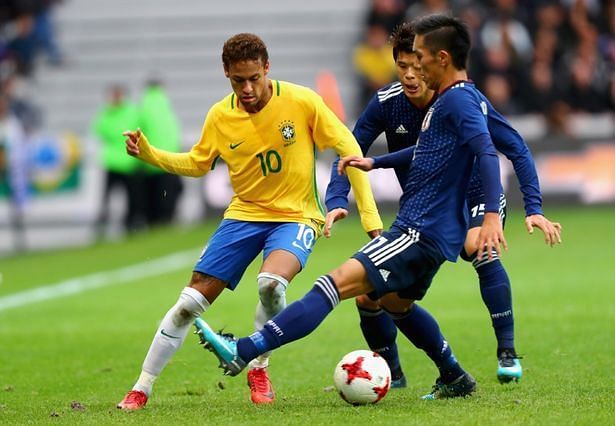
(476, 209)
(402, 261)
(236, 243)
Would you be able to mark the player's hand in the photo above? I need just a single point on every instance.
(375, 233)
(332, 217)
(491, 236)
(552, 230)
(132, 142)
(362, 163)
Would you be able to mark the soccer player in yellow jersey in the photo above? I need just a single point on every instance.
(267, 132)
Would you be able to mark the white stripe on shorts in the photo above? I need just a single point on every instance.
(399, 250)
(399, 242)
(386, 247)
(374, 244)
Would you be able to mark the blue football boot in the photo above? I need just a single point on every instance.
(224, 347)
(509, 366)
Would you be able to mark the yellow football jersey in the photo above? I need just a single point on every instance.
(271, 157)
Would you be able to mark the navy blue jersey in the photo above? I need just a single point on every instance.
(454, 132)
(389, 111)
(507, 141)
(510, 143)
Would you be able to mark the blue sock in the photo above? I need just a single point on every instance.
(423, 331)
(297, 320)
(380, 333)
(496, 293)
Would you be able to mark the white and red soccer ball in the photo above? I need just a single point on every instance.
(362, 377)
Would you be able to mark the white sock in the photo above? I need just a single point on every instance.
(272, 295)
(170, 335)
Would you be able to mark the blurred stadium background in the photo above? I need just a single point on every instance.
(548, 64)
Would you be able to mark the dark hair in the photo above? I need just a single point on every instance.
(244, 47)
(402, 39)
(444, 32)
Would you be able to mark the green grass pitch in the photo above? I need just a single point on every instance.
(70, 359)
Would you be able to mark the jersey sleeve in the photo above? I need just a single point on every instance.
(466, 115)
(329, 132)
(368, 127)
(489, 168)
(197, 162)
(401, 158)
(510, 143)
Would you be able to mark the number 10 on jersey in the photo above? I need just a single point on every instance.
(271, 162)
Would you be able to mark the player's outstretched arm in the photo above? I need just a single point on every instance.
(181, 164)
(551, 230)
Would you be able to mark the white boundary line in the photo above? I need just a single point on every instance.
(111, 277)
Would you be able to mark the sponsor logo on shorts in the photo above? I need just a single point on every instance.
(385, 274)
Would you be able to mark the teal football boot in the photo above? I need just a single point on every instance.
(509, 367)
(223, 345)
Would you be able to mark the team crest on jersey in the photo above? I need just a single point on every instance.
(427, 120)
(287, 129)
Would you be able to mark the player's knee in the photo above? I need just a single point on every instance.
(190, 305)
(396, 308)
(272, 291)
(466, 255)
(364, 302)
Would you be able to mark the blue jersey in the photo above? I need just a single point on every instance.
(389, 111)
(510, 143)
(454, 132)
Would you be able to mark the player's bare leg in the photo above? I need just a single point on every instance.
(171, 333)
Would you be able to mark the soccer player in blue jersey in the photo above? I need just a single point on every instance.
(398, 110)
(398, 266)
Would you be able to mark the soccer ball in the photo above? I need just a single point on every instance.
(362, 377)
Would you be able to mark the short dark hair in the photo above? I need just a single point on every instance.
(402, 39)
(444, 32)
(244, 47)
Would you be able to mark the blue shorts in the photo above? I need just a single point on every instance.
(476, 209)
(400, 260)
(236, 243)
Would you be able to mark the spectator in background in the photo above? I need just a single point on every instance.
(373, 63)
(45, 34)
(498, 91)
(158, 121)
(16, 30)
(507, 44)
(540, 91)
(26, 29)
(117, 115)
(386, 13)
(426, 7)
(19, 91)
(527, 55)
(13, 168)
